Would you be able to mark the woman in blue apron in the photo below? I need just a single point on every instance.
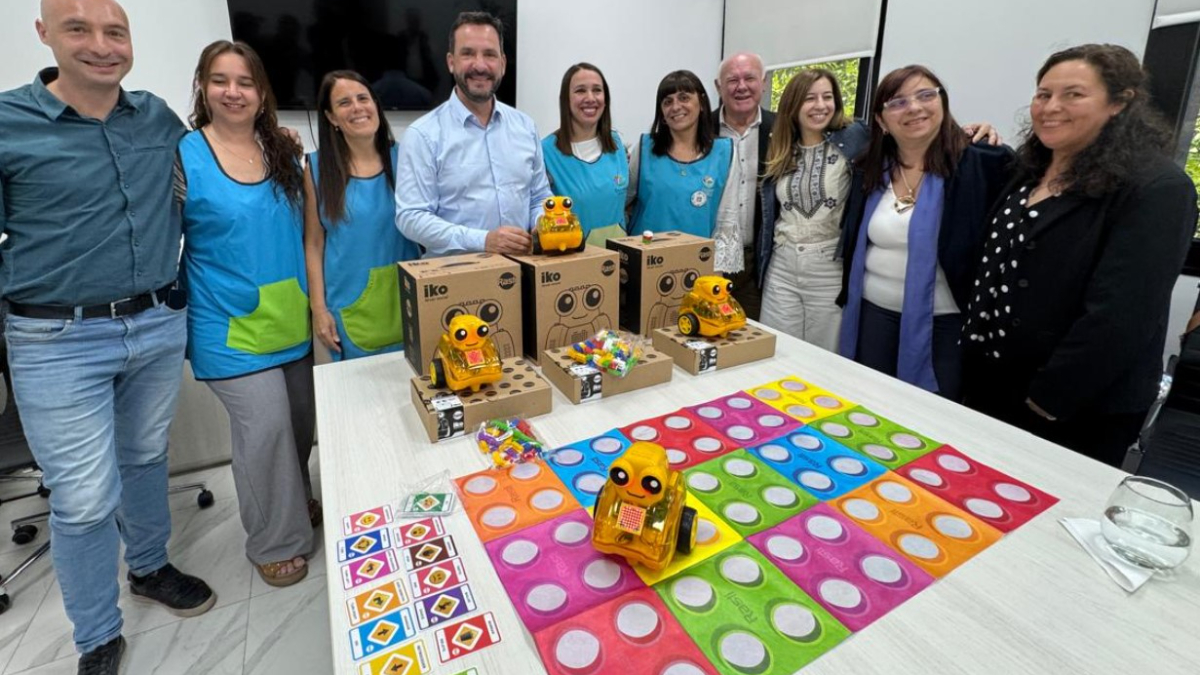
(682, 172)
(249, 334)
(585, 158)
(350, 238)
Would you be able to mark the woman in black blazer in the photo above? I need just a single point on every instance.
(1068, 313)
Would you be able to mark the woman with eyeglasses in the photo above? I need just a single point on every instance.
(1068, 313)
(911, 234)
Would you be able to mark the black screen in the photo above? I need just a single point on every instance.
(398, 45)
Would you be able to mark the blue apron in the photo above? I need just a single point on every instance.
(362, 283)
(597, 188)
(683, 196)
(243, 268)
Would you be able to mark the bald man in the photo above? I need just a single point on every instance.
(95, 328)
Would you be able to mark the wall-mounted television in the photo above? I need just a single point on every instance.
(398, 45)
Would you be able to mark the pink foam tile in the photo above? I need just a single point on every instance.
(744, 420)
(687, 440)
(851, 573)
(551, 572)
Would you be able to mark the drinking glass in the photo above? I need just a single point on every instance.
(1149, 523)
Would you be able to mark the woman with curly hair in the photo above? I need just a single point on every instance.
(1068, 313)
(249, 334)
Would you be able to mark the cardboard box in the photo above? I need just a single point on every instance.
(566, 298)
(446, 414)
(655, 276)
(702, 354)
(435, 290)
(581, 382)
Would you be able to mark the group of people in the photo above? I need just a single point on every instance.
(1033, 286)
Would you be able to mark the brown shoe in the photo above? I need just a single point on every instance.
(282, 573)
(315, 513)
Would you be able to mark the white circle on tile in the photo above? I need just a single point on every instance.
(860, 509)
(577, 649)
(740, 467)
(882, 569)
(797, 410)
(738, 403)
(827, 402)
(571, 532)
(683, 669)
(953, 527)
(706, 444)
(644, 432)
(704, 482)
(609, 445)
(919, 547)
(793, 385)
(741, 513)
(546, 597)
(481, 485)
(705, 532)
(547, 500)
(677, 422)
(954, 463)
(741, 569)
(907, 441)
(774, 453)
(499, 517)
(709, 412)
(526, 471)
(676, 456)
(743, 650)
(840, 593)
(637, 620)
(824, 527)
(589, 482)
(771, 421)
(602, 574)
(793, 620)
(848, 466)
(767, 394)
(692, 592)
(1013, 493)
(836, 430)
(927, 477)
(894, 492)
(784, 547)
(806, 442)
(779, 496)
(567, 457)
(740, 432)
(984, 508)
(863, 419)
(519, 552)
(880, 452)
(815, 480)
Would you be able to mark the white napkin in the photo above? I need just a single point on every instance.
(1087, 532)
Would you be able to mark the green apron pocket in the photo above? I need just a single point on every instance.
(373, 320)
(280, 321)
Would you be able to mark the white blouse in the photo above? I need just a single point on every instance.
(887, 261)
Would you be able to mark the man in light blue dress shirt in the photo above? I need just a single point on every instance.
(470, 175)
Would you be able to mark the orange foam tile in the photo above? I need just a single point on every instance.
(501, 502)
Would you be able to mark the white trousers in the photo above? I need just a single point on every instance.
(802, 283)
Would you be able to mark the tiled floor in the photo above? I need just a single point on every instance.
(254, 628)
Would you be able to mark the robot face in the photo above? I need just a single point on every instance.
(640, 475)
(670, 285)
(714, 288)
(557, 206)
(468, 332)
(567, 301)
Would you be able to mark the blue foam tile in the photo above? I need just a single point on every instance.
(583, 465)
(817, 463)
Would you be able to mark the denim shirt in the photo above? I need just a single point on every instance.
(86, 203)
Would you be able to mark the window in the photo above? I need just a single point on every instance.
(1193, 164)
(846, 71)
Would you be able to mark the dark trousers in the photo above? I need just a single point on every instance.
(879, 346)
(745, 285)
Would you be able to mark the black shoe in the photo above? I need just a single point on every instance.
(103, 660)
(182, 594)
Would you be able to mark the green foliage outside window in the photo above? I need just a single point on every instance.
(1193, 164)
(845, 71)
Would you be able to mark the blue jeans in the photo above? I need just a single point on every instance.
(96, 398)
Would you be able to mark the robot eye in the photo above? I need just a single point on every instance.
(729, 288)
(460, 334)
(666, 283)
(689, 279)
(567, 203)
(483, 331)
(550, 204)
(716, 289)
(593, 297)
(565, 303)
(489, 311)
(619, 476)
(652, 485)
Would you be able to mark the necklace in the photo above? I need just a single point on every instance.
(213, 135)
(907, 202)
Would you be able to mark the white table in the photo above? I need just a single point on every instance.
(1032, 603)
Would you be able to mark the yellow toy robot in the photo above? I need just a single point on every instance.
(465, 356)
(640, 514)
(557, 228)
(710, 309)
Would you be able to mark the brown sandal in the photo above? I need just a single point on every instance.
(315, 513)
(272, 573)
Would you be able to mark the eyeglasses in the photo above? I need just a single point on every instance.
(902, 102)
